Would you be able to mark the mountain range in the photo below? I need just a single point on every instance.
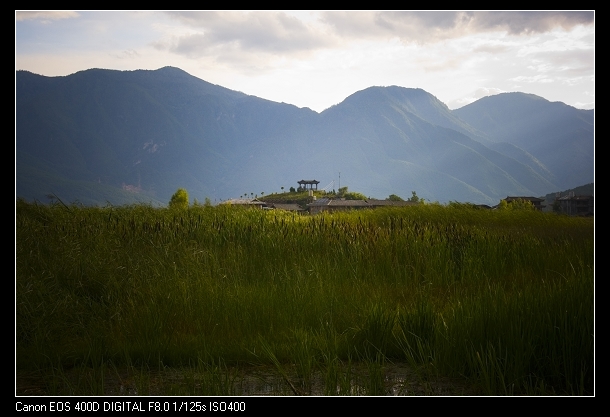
(121, 137)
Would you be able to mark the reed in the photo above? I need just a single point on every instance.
(501, 299)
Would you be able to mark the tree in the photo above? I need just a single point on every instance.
(517, 204)
(352, 195)
(414, 198)
(394, 197)
(180, 199)
(522, 204)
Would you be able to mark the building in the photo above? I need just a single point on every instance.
(579, 205)
(247, 202)
(328, 204)
(286, 206)
(305, 185)
(389, 203)
(537, 202)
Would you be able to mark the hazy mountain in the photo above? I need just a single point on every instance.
(101, 136)
(558, 136)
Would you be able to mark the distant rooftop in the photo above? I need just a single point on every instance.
(338, 203)
(243, 201)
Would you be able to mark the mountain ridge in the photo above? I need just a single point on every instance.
(149, 132)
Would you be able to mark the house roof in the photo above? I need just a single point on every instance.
(339, 203)
(244, 201)
(359, 203)
(320, 202)
(349, 203)
(532, 199)
(285, 206)
(377, 203)
(576, 197)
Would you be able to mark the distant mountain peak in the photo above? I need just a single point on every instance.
(97, 135)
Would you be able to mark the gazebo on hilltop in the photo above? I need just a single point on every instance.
(308, 184)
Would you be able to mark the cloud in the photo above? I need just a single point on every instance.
(44, 15)
(433, 26)
(577, 61)
(224, 33)
(540, 78)
(407, 26)
(586, 106)
(476, 95)
(305, 57)
(492, 49)
(127, 54)
(444, 64)
(487, 91)
(528, 22)
(261, 40)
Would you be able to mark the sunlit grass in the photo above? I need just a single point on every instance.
(502, 299)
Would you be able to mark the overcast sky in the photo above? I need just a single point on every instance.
(316, 59)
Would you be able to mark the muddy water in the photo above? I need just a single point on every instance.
(359, 380)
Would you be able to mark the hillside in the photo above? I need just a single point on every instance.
(105, 136)
(558, 136)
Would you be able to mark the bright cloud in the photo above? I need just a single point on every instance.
(317, 58)
(44, 15)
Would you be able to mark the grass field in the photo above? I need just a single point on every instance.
(110, 298)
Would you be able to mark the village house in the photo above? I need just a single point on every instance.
(329, 204)
(389, 203)
(579, 205)
(286, 206)
(317, 205)
(247, 202)
(536, 201)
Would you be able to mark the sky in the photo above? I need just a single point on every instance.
(316, 59)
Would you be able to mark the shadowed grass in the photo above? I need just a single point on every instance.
(502, 299)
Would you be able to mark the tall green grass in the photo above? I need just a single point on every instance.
(501, 299)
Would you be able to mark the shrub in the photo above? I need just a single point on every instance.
(180, 199)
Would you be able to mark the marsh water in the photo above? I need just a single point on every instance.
(252, 380)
